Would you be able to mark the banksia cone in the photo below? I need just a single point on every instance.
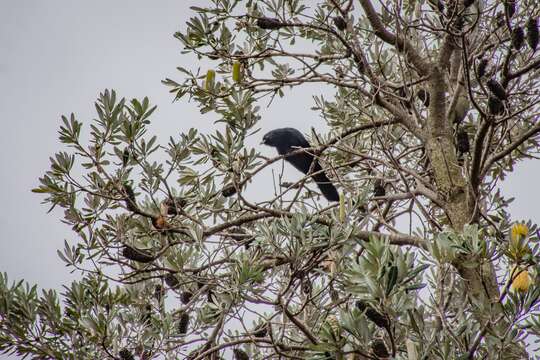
(269, 23)
(125, 156)
(496, 88)
(378, 188)
(495, 105)
(481, 68)
(519, 230)
(137, 255)
(518, 36)
(131, 203)
(377, 318)
(172, 281)
(518, 246)
(532, 33)
(173, 206)
(125, 354)
(261, 330)
(340, 22)
(186, 296)
(510, 7)
(240, 354)
(210, 78)
(462, 140)
(183, 323)
(237, 72)
(228, 190)
(521, 280)
(379, 349)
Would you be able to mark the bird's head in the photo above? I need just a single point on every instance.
(270, 138)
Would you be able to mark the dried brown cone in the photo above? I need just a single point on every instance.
(532, 33)
(495, 105)
(482, 67)
(228, 190)
(186, 296)
(462, 140)
(183, 323)
(373, 315)
(518, 37)
(173, 206)
(340, 22)
(172, 281)
(269, 23)
(378, 347)
(261, 330)
(240, 354)
(137, 255)
(496, 89)
(378, 188)
(510, 7)
(131, 203)
(125, 354)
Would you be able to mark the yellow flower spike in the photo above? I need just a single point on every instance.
(341, 207)
(210, 77)
(522, 281)
(518, 241)
(237, 72)
(519, 230)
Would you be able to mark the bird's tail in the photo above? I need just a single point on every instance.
(327, 188)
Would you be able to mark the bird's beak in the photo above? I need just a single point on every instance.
(262, 143)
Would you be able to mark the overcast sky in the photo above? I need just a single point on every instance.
(56, 56)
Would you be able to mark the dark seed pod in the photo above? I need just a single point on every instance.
(462, 140)
(378, 188)
(172, 281)
(518, 36)
(467, 3)
(131, 203)
(228, 190)
(495, 105)
(186, 297)
(496, 88)
(137, 255)
(269, 23)
(174, 206)
(532, 33)
(423, 95)
(261, 331)
(340, 22)
(379, 349)
(125, 354)
(240, 354)
(125, 156)
(481, 68)
(377, 318)
(306, 285)
(183, 323)
(510, 8)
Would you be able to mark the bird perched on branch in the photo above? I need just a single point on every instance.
(287, 140)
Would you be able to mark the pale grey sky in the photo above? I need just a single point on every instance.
(56, 56)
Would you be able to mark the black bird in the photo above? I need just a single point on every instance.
(287, 140)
